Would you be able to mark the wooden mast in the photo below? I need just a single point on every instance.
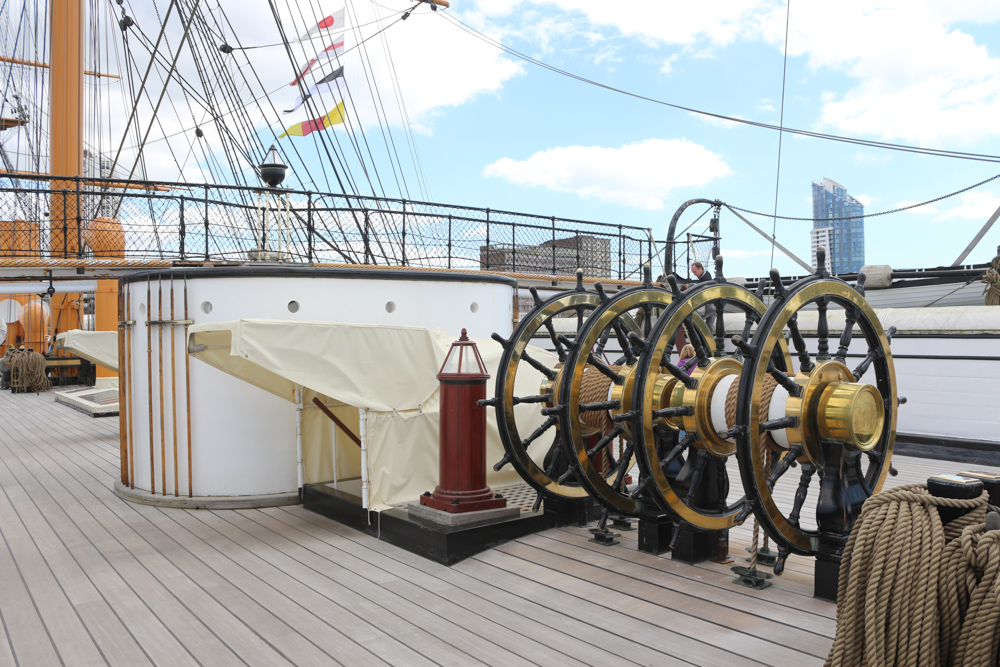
(66, 122)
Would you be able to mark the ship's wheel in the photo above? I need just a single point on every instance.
(838, 423)
(565, 311)
(684, 416)
(594, 390)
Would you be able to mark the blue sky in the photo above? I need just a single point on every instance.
(933, 81)
(495, 131)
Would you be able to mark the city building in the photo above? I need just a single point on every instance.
(559, 257)
(845, 239)
(821, 237)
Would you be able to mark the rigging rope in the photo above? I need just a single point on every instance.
(894, 607)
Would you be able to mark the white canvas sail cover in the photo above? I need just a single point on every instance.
(385, 373)
(98, 347)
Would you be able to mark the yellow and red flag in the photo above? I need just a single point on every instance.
(335, 117)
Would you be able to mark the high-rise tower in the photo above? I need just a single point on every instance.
(844, 239)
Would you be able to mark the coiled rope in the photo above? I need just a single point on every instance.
(992, 279)
(27, 370)
(891, 599)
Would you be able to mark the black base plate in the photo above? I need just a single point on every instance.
(443, 544)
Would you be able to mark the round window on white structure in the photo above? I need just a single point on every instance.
(390, 306)
(474, 307)
(206, 307)
(293, 306)
(142, 310)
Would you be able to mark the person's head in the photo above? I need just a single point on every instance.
(687, 351)
(697, 269)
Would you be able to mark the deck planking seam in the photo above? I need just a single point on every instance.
(593, 636)
(190, 616)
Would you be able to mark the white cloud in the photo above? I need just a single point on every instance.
(866, 200)
(976, 205)
(640, 175)
(668, 64)
(917, 78)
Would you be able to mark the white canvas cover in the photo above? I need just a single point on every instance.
(385, 373)
(99, 347)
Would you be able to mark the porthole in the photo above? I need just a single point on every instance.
(206, 307)
(474, 307)
(293, 306)
(390, 306)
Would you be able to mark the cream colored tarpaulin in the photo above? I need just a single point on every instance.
(99, 347)
(388, 373)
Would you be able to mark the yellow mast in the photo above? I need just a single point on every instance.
(66, 122)
(66, 61)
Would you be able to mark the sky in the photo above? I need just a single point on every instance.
(494, 130)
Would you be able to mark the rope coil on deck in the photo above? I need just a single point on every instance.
(27, 370)
(895, 605)
(992, 279)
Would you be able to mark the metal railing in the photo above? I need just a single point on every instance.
(138, 220)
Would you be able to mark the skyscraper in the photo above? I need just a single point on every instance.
(844, 239)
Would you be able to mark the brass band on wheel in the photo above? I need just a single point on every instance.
(655, 376)
(523, 335)
(833, 407)
(602, 318)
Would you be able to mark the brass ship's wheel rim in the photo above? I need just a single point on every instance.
(651, 373)
(608, 489)
(514, 355)
(749, 451)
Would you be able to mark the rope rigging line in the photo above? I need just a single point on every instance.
(873, 215)
(781, 124)
(979, 157)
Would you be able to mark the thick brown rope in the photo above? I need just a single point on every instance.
(594, 389)
(894, 605)
(27, 370)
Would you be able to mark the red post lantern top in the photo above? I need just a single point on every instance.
(463, 361)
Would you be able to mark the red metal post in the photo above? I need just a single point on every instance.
(462, 459)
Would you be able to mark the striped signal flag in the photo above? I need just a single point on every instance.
(335, 117)
(332, 51)
(332, 21)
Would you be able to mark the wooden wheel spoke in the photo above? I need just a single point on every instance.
(783, 465)
(602, 405)
(823, 330)
(701, 460)
(778, 424)
(554, 461)
(537, 433)
(602, 342)
(622, 467)
(606, 370)
(800, 494)
(720, 329)
(681, 375)
(805, 363)
(538, 366)
(560, 350)
(850, 317)
(540, 398)
(722, 480)
(786, 382)
(606, 440)
(623, 341)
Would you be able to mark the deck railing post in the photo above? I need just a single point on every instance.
(553, 245)
(487, 240)
(79, 222)
(206, 223)
(183, 231)
(449, 240)
(309, 227)
(404, 232)
(365, 236)
(621, 254)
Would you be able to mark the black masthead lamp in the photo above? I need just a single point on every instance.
(272, 169)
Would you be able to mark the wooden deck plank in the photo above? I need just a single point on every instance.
(177, 601)
(133, 584)
(592, 644)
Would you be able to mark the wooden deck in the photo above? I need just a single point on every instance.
(88, 579)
